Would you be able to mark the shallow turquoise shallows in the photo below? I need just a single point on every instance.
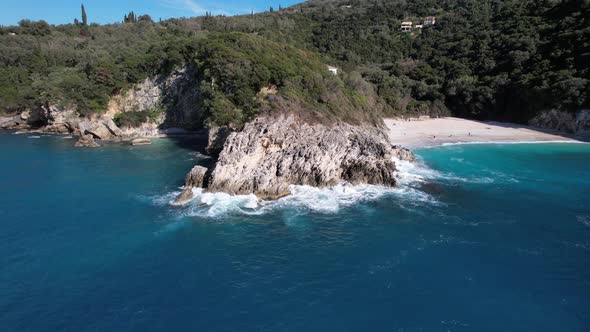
(479, 238)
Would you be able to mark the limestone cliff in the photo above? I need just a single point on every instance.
(271, 153)
(174, 95)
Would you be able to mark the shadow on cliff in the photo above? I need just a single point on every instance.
(562, 133)
(194, 141)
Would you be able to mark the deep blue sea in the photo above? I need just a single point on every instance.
(477, 238)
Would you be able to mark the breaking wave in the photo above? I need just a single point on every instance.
(412, 173)
(412, 191)
(312, 199)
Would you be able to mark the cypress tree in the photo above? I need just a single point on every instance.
(84, 17)
(84, 31)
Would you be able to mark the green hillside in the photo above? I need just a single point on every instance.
(490, 59)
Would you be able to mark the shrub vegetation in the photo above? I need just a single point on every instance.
(485, 59)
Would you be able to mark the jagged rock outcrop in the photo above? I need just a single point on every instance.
(46, 118)
(194, 179)
(57, 118)
(272, 153)
(101, 128)
(87, 141)
(13, 122)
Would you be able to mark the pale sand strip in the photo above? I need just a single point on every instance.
(421, 133)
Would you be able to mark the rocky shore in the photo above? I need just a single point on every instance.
(271, 153)
(172, 97)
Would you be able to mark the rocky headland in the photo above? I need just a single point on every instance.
(271, 153)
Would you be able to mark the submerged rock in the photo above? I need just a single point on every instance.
(87, 141)
(194, 179)
(141, 141)
(272, 153)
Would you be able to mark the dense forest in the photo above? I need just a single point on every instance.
(484, 59)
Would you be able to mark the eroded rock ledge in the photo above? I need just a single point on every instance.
(272, 153)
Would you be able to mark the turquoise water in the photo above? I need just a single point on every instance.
(483, 238)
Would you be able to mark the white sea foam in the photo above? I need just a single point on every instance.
(409, 173)
(219, 204)
(322, 200)
(414, 172)
(585, 220)
(165, 199)
(306, 198)
(330, 200)
(35, 137)
(198, 156)
(408, 194)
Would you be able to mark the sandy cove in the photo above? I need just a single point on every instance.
(422, 133)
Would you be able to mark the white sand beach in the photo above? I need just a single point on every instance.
(421, 133)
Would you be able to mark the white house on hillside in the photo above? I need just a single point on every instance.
(429, 20)
(406, 26)
(333, 70)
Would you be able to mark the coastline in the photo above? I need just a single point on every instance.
(427, 133)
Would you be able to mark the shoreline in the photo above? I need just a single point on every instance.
(174, 134)
(499, 143)
(428, 133)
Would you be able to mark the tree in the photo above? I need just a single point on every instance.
(84, 31)
(84, 17)
(145, 19)
(132, 18)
